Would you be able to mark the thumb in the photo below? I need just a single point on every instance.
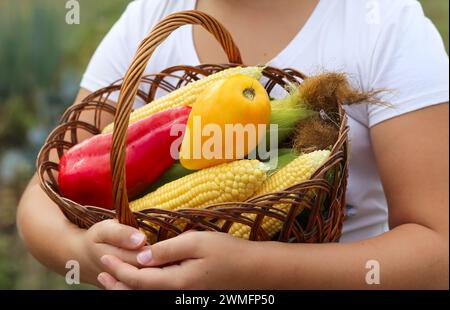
(182, 247)
(118, 235)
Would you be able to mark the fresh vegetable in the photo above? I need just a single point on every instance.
(285, 156)
(186, 95)
(309, 114)
(299, 170)
(314, 134)
(177, 171)
(234, 181)
(287, 112)
(325, 91)
(84, 170)
(231, 111)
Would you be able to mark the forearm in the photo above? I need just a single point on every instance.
(48, 235)
(410, 257)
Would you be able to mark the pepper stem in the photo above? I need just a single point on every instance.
(249, 93)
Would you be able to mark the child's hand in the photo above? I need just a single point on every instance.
(109, 237)
(194, 260)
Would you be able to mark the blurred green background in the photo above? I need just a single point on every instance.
(41, 62)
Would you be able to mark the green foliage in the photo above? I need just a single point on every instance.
(437, 11)
(18, 118)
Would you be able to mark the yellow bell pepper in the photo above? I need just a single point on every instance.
(227, 121)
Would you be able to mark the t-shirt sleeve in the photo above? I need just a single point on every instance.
(410, 61)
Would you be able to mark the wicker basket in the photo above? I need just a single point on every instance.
(322, 197)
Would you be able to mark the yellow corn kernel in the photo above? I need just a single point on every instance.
(208, 186)
(300, 169)
(187, 94)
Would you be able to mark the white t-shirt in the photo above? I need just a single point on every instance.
(380, 44)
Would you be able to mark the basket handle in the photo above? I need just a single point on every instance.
(130, 86)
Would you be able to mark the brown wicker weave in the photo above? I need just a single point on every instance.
(322, 197)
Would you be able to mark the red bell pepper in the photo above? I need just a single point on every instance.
(84, 170)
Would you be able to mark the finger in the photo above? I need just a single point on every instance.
(128, 256)
(120, 270)
(122, 236)
(110, 283)
(120, 287)
(146, 278)
(171, 250)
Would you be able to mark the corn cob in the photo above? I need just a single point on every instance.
(186, 95)
(234, 181)
(300, 169)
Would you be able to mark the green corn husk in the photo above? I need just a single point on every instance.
(285, 156)
(287, 113)
(175, 172)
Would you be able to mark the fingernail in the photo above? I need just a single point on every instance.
(144, 257)
(105, 260)
(103, 281)
(137, 238)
